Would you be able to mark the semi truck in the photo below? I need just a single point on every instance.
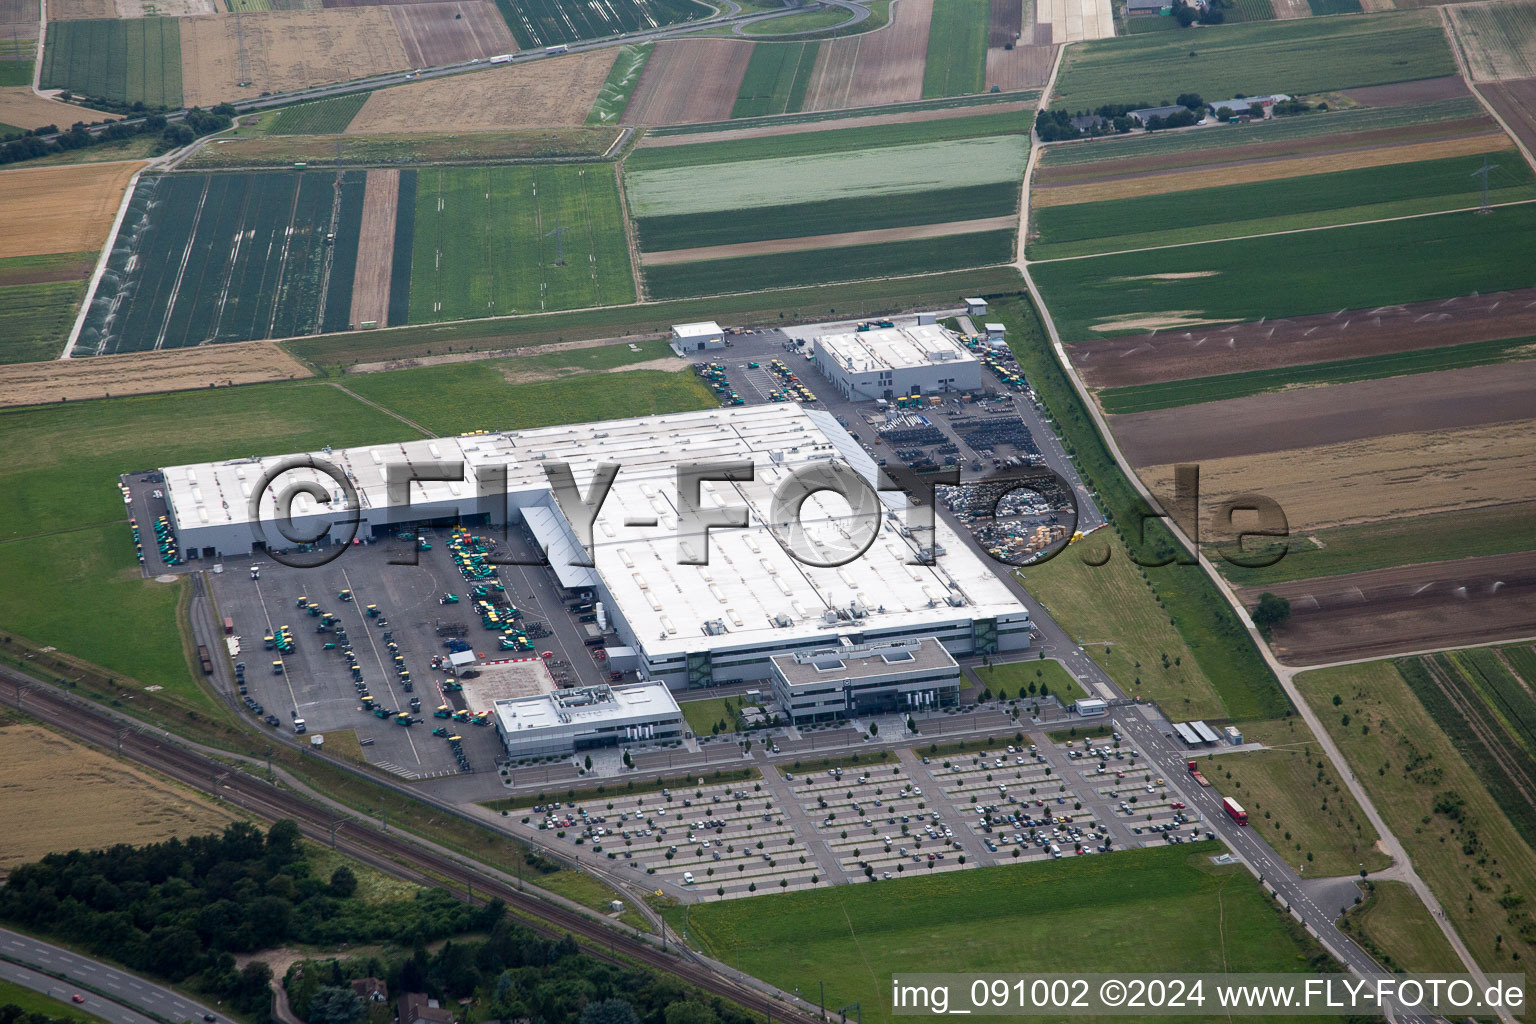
(202, 654)
(1235, 809)
(229, 626)
(1194, 773)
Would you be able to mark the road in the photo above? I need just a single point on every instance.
(109, 993)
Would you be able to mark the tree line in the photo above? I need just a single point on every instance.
(34, 144)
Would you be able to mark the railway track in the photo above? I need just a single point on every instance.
(392, 853)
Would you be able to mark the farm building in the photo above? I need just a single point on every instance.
(567, 721)
(700, 337)
(889, 361)
(1244, 104)
(1146, 114)
(865, 679)
(1147, 8)
(696, 606)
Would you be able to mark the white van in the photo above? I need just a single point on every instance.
(687, 877)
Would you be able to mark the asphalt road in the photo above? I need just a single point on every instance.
(121, 990)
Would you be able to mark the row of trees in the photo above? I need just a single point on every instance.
(512, 974)
(198, 122)
(181, 909)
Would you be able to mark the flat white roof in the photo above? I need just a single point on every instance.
(752, 592)
(586, 708)
(895, 348)
(703, 329)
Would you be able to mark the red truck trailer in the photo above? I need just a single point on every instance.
(229, 626)
(1194, 772)
(1235, 809)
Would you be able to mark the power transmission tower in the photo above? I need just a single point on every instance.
(1483, 171)
(559, 236)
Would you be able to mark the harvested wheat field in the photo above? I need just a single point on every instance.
(80, 10)
(806, 243)
(1071, 21)
(884, 66)
(538, 95)
(1023, 67)
(146, 373)
(1405, 608)
(1297, 341)
(1515, 101)
(286, 50)
(1378, 478)
(446, 33)
(23, 108)
(375, 248)
(1497, 40)
(1337, 413)
(166, 8)
(18, 25)
(689, 80)
(60, 209)
(72, 797)
(1492, 141)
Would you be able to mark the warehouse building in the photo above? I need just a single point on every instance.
(684, 624)
(889, 361)
(850, 680)
(570, 721)
(705, 336)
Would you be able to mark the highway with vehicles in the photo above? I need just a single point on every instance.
(114, 995)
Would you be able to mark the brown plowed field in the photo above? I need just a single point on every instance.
(863, 121)
(1237, 348)
(1407, 608)
(60, 209)
(1381, 478)
(1023, 67)
(286, 50)
(809, 242)
(538, 95)
(80, 10)
(1403, 94)
(21, 107)
(375, 248)
(1047, 175)
(144, 373)
(884, 66)
(1515, 100)
(689, 80)
(1335, 414)
(1004, 23)
(445, 33)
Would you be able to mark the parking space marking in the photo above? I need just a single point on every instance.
(379, 658)
(271, 631)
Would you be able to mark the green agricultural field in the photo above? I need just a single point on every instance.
(227, 257)
(1324, 7)
(1302, 810)
(58, 266)
(1021, 679)
(1489, 713)
(15, 72)
(482, 399)
(486, 241)
(1279, 129)
(35, 319)
(613, 97)
(847, 263)
(1147, 910)
(832, 140)
(957, 49)
(1251, 10)
(685, 231)
(1313, 200)
(1145, 25)
(777, 181)
(130, 61)
(1457, 834)
(785, 305)
(1396, 927)
(830, 117)
(256, 148)
(1296, 57)
(1167, 394)
(320, 118)
(776, 79)
(1352, 267)
(1440, 536)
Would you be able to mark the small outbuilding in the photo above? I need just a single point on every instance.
(996, 332)
(975, 307)
(705, 336)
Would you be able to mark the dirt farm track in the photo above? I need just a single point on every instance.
(1358, 333)
(1406, 608)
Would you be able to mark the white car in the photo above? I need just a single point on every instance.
(687, 877)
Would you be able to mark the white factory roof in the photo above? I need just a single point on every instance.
(752, 591)
(895, 348)
(703, 329)
(586, 708)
